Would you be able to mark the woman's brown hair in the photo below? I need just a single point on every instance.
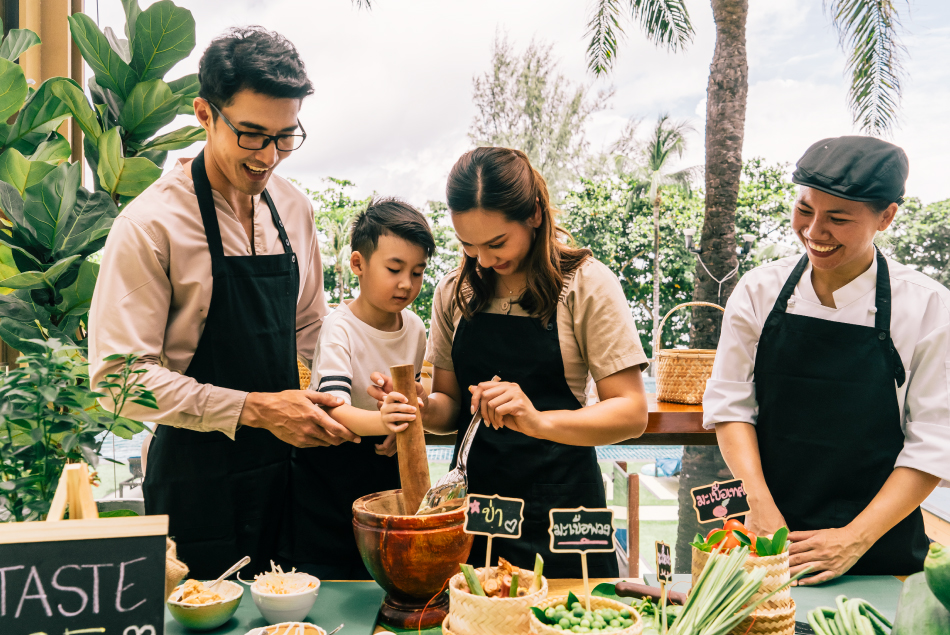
(503, 180)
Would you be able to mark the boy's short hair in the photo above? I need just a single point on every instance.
(394, 217)
(251, 58)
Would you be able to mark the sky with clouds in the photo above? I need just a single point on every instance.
(393, 101)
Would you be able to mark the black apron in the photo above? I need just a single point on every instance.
(544, 473)
(829, 426)
(324, 482)
(225, 498)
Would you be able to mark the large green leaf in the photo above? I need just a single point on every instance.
(176, 140)
(84, 231)
(7, 266)
(132, 11)
(71, 95)
(42, 113)
(17, 42)
(118, 175)
(150, 107)
(111, 72)
(27, 280)
(53, 151)
(77, 298)
(50, 202)
(13, 88)
(121, 46)
(164, 35)
(187, 87)
(21, 172)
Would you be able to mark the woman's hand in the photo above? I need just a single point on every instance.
(764, 519)
(387, 447)
(829, 552)
(396, 412)
(504, 405)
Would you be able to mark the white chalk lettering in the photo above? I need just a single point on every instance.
(84, 598)
(34, 575)
(123, 587)
(95, 584)
(3, 588)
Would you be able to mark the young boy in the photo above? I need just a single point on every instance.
(391, 243)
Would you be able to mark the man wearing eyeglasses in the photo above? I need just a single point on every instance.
(214, 274)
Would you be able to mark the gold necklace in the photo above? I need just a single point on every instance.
(510, 292)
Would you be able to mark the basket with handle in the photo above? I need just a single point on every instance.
(681, 373)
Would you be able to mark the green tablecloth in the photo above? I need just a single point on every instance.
(354, 604)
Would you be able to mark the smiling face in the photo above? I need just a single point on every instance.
(391, 278)
(837, 233)
(246, 170)
(496, 242)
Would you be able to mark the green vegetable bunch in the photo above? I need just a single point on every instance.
(574, 618)
(850, 617)
(49, 416)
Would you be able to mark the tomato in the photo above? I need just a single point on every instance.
(732, 523)
(730, 542)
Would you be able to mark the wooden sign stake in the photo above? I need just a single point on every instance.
(488, 553)
(411, 443)
(482, 518)
(75, 491)
(586, 580)
(577, 524)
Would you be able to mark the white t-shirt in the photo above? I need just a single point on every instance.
(349, 350)
(920, 329)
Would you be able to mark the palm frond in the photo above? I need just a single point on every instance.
(869, 33)
(605, 32)
(363, 4)
(665, 22)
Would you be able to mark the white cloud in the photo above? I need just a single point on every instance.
(393, 101)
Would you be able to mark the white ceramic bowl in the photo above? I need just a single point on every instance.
(285, 607)
(290, 628)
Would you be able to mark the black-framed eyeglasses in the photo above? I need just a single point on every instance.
(259, 140)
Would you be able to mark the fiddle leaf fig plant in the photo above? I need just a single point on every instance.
(49, 223)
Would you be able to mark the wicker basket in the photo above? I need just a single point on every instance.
(776, 574)
(537, 628)
(476, 615)
(681, 373)
(304, 374)
(779, 621)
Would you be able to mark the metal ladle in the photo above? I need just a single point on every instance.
(453, 485)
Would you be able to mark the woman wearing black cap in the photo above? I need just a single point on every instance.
(829, 393)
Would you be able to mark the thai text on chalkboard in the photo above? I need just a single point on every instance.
(581, 530)
(719, 501)
(495, 516)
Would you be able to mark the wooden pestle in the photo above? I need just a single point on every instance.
(411, 443)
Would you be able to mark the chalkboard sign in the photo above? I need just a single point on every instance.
(104, 576)
(720, 501)
(495, 516)
(582, 530)
(664, 562)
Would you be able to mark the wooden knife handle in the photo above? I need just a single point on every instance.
(411, 443)
(633, 590)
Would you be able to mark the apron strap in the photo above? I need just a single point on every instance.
(882, 317)
(781, 303)
(279, 224)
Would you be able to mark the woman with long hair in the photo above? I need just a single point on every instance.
(544, 317)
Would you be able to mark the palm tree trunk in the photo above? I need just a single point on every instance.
(656, 272)
(725, 128)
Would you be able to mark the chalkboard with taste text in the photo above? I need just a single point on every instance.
(111, 586)
(582, 530)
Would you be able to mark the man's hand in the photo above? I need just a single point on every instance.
(829, 553)
(387, 447)
(382, 385)
(765, 518)
(294, 417)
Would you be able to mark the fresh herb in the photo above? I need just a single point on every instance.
(851, 617)
(473, 583)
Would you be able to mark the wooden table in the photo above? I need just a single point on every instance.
(667, 424)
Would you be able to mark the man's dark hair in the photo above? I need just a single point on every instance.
(251, 58)
(394, 217)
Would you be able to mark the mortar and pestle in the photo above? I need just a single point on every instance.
(411, 557)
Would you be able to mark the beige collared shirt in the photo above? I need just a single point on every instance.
(154, 290)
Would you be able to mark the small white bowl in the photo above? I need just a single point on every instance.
(290, 628)
(285, 607)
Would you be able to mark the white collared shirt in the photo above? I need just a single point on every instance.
(920, 329)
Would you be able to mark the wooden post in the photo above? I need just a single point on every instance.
(411, 443)
(633, 525)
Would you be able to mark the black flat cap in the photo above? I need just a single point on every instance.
(856, 168)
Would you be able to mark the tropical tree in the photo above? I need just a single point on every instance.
(868, 31)
(667, 142)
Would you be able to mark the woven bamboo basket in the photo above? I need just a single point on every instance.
(304, 374)
(776, 574)
(778, 621)
(537, 628)
(476, 615)
(681, 373)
